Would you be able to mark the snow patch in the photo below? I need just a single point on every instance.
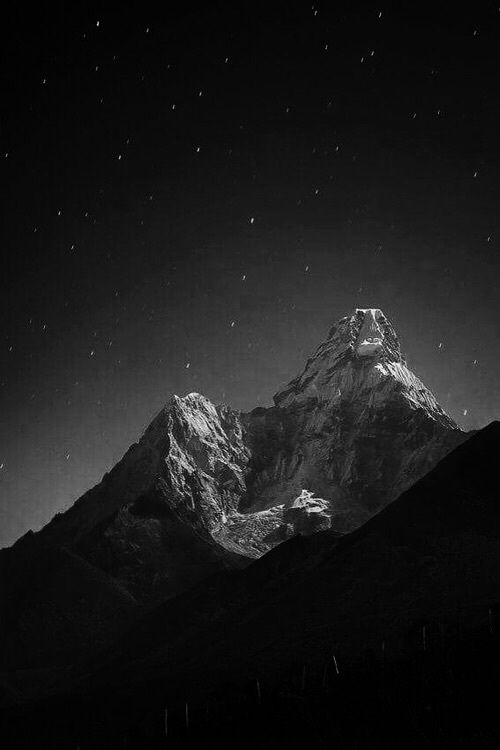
(371, 337)
(307, 502)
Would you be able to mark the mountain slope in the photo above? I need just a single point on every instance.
(433, 552)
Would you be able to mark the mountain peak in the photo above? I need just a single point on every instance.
(361, 361)
(366, 333)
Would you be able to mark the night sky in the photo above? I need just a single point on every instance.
(190, 201)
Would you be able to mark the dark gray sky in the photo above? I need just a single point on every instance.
(214, 189)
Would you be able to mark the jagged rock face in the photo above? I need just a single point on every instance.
(148, 523)
(207, 487)
(361, 360)
(165, 537)
(202, 476)
(356, 426)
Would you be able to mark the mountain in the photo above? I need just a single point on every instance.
(384, 637)
(356, 427)
(207, 489)
(430, 558)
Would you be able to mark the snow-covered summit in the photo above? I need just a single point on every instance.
(370, 341)
(361, 360)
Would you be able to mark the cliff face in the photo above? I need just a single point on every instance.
(208, 488)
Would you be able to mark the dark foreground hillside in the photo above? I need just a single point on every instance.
(445, 696)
